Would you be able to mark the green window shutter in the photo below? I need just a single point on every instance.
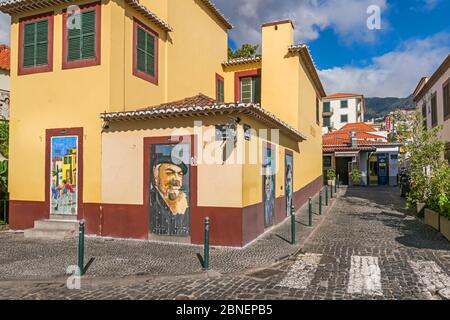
(88, 35)
(146, 53)
(140, 47)
(82, 43)
(150, 43)
(257, 89)
(42, 42)
(73, 44)
(35, 44)
(29, 43)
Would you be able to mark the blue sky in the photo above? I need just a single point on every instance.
(413, 41)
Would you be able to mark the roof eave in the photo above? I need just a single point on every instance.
(249, 109)
(21, 6)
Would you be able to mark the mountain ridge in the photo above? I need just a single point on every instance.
(379, 107)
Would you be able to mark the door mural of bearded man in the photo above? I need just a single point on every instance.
(269, 187)
(169, 191)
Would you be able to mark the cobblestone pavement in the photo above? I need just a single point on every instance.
(30, 259)
(366, 248)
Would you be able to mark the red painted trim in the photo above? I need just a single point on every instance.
(86, 62)
(219, 78)
(136, 72)
(22, 214)
(40, 69)
(62, 133)
(193, 174)
(237, 81)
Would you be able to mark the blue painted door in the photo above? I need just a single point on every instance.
(289, 183)
(269, 186)
(383, 169)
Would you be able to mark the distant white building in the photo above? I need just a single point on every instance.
(432, 98)
(340, 109)
(4, 81)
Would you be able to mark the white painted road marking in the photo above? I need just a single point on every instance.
(430, 275)
(365, 276)
(302, 271)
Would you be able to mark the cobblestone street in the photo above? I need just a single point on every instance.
(367, 247)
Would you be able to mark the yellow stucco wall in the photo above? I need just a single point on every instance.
(58, 99)
(280, 86)
(197, 47)
(219, 185)
(76, 97)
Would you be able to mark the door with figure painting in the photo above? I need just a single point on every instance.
(289, 163)
(170, 190)
(64, 186)
(269, 186)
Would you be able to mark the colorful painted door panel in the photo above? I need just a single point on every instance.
(170, 190)
(63, 175)
(269, 187)
(289, 183)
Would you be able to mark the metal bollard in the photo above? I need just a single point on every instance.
(338, 182)
(335, 188)
(293, 231)
(81, 248)
(326, 196)
(206, 246)
(310, 212)
(331, 192)
(320, 203)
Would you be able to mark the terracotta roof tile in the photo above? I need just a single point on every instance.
(19, 6)
(199, 100)
(343, 95)
(358, 127)
(239, 61)
(5, 56)
(202, 105)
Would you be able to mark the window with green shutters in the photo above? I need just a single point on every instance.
(145, 57)
(220, 89)
(81, 42)
(250, 89)
(344, 104)
(145, 54)
(35, 44)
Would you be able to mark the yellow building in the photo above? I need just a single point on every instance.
(168, 130)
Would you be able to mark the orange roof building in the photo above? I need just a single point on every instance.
(360, 146)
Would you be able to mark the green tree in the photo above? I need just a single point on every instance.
(4, 150)
(246, 51)
(424, 156)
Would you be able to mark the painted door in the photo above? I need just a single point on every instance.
(63, 178)
(289, 183)
(170, 190)
(269, 186)
(383, 169)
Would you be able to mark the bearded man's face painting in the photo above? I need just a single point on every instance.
(170, 179)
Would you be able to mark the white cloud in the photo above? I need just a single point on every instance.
(394, 74)
(4, 28)
(347, 18)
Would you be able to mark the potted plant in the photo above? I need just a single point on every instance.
(331, 175)
(356, 177)
(438, 213)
